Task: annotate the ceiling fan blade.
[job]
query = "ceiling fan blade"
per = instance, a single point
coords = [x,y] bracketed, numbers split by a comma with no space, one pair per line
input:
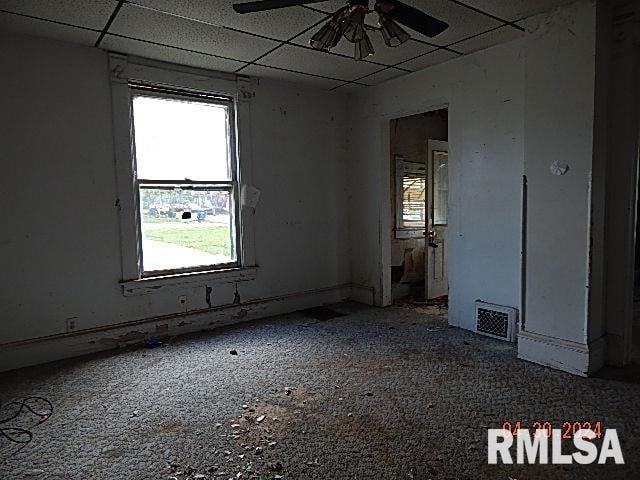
[262,5]
[411,17]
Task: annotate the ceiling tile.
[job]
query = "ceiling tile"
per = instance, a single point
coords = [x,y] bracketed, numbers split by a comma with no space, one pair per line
[167,54]
[282,24]
[83,13]
[516,9]
[266,72]
[437,56]
[350,88]
[462,21]
[486,40]
[144,24]
[383,54]
[383,76]
[41,28]
[319,63]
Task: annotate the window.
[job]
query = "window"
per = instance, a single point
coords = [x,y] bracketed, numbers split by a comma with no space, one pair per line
[410,198]
[413,198]
[440,187]
[185,180]
[185,198]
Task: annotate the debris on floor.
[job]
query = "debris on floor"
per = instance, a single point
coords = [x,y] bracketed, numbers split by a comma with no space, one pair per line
[435,307]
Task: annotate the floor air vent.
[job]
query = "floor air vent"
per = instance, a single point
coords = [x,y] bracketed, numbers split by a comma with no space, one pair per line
[496,321]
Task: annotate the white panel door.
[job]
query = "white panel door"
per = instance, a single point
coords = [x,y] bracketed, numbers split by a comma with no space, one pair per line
[437,207]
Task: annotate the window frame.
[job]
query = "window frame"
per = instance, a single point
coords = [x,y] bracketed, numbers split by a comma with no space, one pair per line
[126,73]
[402,166]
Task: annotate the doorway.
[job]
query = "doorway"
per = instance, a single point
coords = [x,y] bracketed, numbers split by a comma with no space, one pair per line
[419,197]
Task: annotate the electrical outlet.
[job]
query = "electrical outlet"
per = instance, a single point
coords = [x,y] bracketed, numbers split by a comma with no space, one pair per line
[71,324]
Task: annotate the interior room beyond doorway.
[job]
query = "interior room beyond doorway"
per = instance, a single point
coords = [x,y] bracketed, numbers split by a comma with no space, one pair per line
[419,202]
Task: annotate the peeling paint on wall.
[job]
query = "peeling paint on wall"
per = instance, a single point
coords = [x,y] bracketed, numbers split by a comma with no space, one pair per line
[124,339]
[162,330]
[208,291]
[236,296]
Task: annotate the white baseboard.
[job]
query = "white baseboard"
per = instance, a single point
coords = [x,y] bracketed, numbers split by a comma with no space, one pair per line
[55,347]
[577,358]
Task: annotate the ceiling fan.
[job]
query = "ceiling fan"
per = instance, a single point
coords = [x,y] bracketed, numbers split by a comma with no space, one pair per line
[348,22]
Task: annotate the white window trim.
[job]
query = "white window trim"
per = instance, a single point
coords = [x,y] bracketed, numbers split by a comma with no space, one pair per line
[124,69]
[401,165]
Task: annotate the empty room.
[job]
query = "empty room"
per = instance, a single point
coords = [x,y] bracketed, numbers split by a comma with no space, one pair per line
[301,239]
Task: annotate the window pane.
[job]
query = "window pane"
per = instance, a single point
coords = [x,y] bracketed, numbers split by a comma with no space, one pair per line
[413,200]
[180,139]
[186,228]
[440,187]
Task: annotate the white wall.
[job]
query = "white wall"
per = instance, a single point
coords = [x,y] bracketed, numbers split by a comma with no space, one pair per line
[60,242]
[484,94]
[564,253]
[559,126]
[514,109]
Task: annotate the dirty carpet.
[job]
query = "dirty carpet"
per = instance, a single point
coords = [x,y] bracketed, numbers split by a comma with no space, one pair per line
[374,394]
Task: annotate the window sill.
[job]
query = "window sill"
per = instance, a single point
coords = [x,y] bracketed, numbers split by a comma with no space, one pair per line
[144,286]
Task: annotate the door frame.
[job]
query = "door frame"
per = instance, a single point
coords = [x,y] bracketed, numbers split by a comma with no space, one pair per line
[623,195]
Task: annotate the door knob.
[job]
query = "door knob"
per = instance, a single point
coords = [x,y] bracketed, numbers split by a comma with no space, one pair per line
[432,237]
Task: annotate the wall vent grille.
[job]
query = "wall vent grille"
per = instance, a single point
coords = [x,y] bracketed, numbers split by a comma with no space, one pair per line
[496,321]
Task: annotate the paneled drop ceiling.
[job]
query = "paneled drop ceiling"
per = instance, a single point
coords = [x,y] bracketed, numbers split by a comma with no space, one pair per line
[209,34]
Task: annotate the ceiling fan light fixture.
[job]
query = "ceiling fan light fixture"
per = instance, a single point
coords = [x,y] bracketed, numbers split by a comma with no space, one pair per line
[349,22]
[363,48]
[353,24]
[327,37]
[392,33]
